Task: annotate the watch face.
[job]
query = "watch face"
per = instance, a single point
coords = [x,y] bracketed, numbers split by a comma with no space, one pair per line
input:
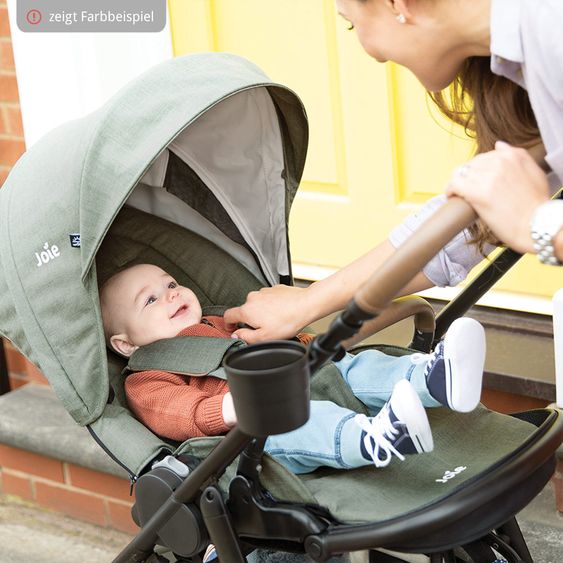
[548,218]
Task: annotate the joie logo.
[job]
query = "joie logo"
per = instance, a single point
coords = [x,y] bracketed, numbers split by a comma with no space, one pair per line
[451,474]
[47,254]
[74,240]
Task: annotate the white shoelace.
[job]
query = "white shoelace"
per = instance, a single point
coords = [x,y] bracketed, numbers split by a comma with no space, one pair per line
[430,359]
[381,430]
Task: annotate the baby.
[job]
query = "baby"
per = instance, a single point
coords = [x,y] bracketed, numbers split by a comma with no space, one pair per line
[143,304]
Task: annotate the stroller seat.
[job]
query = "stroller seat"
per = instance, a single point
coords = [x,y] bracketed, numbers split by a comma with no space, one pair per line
[193,167]
[477,468]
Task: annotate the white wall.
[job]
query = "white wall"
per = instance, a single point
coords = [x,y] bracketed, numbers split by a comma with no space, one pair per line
[62,76]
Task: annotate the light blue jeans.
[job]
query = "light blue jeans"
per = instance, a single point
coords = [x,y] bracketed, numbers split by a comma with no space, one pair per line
[331,437]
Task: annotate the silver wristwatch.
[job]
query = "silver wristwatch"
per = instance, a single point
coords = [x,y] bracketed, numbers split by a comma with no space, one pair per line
[547,221]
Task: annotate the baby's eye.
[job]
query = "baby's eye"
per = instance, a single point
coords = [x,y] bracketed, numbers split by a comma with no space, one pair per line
[150,300]
[172,285]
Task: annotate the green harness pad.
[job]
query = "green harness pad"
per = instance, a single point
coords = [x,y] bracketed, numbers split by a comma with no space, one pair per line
[465,446]
[195,356]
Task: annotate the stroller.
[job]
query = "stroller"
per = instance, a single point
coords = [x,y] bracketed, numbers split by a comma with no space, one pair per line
[193,167]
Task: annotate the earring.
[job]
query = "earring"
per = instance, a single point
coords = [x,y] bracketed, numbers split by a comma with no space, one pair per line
[401,18]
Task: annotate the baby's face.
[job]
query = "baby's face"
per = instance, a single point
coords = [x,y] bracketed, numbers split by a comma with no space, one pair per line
[147,304]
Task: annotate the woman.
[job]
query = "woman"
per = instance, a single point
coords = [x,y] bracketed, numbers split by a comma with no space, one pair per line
[503,61]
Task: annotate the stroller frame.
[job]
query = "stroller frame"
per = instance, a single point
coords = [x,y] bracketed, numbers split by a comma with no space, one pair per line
[250,518]
[207,140]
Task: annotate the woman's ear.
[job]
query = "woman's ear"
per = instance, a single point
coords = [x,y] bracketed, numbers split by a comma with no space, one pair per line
[122,345]
[400,7]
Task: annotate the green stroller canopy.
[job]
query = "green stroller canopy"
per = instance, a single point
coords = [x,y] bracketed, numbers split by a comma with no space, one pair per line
[211,121]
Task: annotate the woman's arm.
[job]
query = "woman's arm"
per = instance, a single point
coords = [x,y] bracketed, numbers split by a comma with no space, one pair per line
[282,311]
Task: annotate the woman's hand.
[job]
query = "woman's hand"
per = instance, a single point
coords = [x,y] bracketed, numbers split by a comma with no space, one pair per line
[273,312]
[504,187]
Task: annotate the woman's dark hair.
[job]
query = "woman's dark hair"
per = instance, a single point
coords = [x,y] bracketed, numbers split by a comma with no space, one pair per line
[490,108]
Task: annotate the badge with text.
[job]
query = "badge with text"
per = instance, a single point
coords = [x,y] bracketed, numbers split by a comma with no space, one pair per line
[91,16]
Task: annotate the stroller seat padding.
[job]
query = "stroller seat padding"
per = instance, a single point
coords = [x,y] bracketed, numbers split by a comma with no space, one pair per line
[136,237]
[465,446]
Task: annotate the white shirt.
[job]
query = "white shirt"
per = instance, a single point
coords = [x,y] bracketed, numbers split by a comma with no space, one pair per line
[452,264]
[527,48]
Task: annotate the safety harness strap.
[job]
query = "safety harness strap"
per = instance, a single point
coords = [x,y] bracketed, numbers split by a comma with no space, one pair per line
[195,356]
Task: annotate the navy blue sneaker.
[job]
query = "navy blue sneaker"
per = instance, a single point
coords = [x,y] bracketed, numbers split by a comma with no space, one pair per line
[401,428]
[454,371]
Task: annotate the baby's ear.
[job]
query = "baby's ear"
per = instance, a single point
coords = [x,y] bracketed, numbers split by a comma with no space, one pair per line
[122,345]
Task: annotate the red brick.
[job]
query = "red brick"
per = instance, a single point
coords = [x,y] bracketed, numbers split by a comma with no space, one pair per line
[7,56]
[17,486]
[504,402]
[4,23]
[119,517]
[100,483]
[16,361]
[9,88]
[34,374]
[71,502]
[14,120]
[48,468]
[10,151]
[4,120]
[4,171]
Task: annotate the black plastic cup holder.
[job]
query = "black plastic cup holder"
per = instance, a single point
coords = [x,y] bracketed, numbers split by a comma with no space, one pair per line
[270,387]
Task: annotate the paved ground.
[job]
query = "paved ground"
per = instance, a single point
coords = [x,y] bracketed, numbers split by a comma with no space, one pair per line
[542,527]
[32,535]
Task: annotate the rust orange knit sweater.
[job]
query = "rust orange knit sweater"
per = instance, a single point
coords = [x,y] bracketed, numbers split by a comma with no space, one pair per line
[179,406]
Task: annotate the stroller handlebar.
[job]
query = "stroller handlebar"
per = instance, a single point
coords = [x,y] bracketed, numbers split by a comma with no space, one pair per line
[414,254]
[378,291]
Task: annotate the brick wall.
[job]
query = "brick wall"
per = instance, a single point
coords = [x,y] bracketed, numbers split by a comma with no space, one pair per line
[78,492]
[20,370]
[12,146]
[67,488]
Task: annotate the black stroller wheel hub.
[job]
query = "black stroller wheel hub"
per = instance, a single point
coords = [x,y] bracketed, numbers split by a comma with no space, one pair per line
[185,532]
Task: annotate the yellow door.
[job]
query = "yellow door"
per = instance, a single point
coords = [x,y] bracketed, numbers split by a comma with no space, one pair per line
[377,149]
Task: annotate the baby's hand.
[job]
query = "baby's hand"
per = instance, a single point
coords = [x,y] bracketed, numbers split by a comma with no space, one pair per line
[228,410]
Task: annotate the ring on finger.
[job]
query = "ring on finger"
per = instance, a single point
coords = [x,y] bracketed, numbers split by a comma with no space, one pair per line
[462,171]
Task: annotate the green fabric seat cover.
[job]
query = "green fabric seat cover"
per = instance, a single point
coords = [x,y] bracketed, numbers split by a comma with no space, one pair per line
[466,445]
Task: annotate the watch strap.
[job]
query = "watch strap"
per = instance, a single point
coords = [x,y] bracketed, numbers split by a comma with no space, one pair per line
[546,223]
